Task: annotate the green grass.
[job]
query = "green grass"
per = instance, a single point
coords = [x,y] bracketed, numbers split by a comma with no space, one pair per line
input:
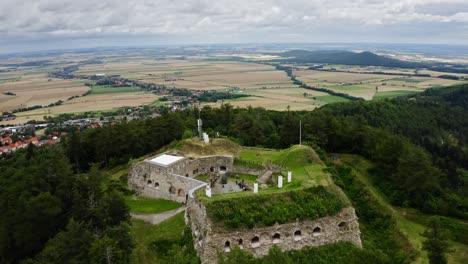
[307,171]
[266,209]
[203,177]
[105,89]
[306,166]
[392,94]
[149,206]
[248,178]
[331,99]
[144,234]
[410,222]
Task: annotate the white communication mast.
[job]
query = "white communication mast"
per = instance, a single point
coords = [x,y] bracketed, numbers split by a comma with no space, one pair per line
[199,124]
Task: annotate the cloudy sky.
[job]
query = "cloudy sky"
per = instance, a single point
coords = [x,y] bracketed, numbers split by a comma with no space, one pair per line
[27,25]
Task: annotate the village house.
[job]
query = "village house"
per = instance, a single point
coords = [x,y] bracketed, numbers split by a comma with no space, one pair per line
[7,140]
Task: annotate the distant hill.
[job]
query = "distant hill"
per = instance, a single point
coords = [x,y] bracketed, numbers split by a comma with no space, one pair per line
[365,58]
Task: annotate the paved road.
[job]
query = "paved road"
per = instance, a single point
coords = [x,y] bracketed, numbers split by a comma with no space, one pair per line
[159,217]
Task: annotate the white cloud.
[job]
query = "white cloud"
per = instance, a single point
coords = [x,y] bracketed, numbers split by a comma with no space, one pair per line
[242,20]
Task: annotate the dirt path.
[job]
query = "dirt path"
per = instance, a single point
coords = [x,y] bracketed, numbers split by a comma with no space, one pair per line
[159,217]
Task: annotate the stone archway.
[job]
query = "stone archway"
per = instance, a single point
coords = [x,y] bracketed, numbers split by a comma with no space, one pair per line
[276,239]
[297,235]
[317,231]
[343,226]
[255,242]
[181,193]
[227,246]
[172,190]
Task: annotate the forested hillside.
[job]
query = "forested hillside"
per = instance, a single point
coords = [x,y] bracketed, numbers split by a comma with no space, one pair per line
[365,58]
[50,197]
[346,57]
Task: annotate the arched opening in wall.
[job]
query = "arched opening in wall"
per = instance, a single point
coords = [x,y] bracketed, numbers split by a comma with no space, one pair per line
[255,243]
[172,190]
[186,175]
[222,168]
[297,235]
[343,226]
[156,185]
[317,231]
[241,243]
[180,193]
[227,246]
[276,238]
[211,169]
[149,183]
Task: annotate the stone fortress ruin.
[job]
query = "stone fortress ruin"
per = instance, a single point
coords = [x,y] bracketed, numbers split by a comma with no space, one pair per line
[193,177]
[171,175]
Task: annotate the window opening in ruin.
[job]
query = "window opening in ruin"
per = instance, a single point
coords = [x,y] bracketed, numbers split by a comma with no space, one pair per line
[186,175]
[156,185]
[227,246]
[343,226]
[222,168]
[255,242]
[297,235]
[181,193]
[316,231]
[149,183]
[276,238]
[212,169]
[172,190]
[241,243]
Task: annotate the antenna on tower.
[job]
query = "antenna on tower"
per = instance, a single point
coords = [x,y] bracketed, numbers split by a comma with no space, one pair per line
[199,124]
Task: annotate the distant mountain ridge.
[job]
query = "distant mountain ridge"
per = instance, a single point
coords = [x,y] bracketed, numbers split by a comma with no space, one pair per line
[365,58]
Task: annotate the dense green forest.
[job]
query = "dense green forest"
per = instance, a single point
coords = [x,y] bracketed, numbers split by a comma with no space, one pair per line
[51,215]
[54,196]
[345,57]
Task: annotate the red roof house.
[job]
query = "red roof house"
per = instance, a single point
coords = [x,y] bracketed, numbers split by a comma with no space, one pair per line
[7,140]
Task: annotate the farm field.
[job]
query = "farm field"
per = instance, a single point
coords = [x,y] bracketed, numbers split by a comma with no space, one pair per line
[268,87]
[368,86]
[38,90]
[280,98]
[194,74]
[355,68]
[93,102]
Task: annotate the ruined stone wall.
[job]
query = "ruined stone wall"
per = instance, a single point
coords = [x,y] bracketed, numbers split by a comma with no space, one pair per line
[156,181]
[209,239]
[153,181]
